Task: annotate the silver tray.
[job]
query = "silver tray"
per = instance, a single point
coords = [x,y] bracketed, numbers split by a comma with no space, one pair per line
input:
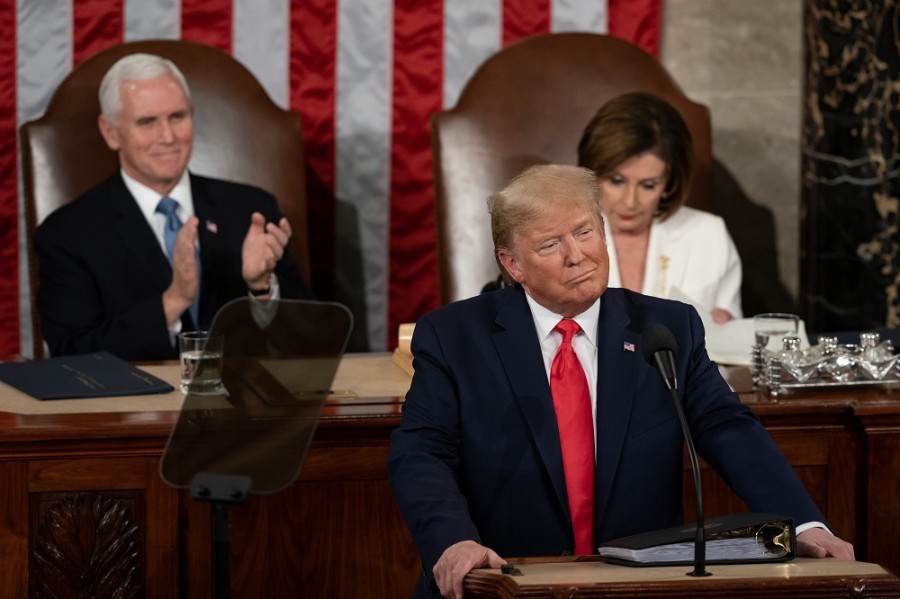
[788,388]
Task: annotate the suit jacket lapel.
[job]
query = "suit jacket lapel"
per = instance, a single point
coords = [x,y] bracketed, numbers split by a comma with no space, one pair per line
[618,355]
[518,348]
[136,235]
[205,209]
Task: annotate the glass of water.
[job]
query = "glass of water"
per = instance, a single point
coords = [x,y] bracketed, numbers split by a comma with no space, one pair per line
[771,328]
[201,362]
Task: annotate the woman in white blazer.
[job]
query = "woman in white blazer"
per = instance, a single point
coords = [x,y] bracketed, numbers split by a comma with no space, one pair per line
[641,149]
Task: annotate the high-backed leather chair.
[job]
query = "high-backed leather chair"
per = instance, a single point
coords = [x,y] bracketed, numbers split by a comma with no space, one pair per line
[239,135]
[529,104]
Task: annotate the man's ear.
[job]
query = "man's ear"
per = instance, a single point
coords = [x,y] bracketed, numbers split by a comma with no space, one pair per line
[509,262]
[110,134]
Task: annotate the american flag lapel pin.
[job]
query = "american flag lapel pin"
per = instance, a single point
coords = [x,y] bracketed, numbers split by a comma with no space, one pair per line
[211,226]
[628,346]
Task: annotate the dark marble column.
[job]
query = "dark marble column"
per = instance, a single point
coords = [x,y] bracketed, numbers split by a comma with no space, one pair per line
[850,250]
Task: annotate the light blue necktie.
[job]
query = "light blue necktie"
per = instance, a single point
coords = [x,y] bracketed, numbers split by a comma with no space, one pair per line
[169,208]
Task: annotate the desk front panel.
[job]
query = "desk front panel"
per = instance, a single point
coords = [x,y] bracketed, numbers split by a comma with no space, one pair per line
[83,508]
[336,532]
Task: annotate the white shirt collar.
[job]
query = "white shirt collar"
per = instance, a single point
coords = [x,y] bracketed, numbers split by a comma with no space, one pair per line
[147,199]
[545,320]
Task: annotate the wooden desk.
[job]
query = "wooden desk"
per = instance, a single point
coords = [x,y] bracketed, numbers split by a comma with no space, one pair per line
[798,578]
[69,467]
[92,466]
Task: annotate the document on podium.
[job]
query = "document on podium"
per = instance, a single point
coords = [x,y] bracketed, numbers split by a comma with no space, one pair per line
[739,538]
[99,374]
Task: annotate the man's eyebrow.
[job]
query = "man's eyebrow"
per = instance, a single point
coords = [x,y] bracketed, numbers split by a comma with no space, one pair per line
[585,223]
[544,238]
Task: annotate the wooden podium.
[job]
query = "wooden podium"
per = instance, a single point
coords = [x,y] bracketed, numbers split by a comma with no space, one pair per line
[588,577]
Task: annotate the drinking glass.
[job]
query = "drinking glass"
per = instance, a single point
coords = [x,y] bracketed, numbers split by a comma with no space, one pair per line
[201,362]
[771,328]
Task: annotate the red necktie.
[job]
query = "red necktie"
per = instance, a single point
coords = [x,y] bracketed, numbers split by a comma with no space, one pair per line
[572,401]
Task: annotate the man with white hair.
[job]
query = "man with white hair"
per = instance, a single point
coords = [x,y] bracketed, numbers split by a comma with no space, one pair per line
[154,249]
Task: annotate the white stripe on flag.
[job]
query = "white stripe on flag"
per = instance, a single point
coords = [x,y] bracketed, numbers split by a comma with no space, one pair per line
[43,59]
[363,142]
[151,19]
[579,15]
[472,33]
[44,54]
[260,42]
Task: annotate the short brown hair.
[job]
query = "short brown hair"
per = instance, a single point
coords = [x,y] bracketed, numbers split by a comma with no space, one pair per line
[632,124]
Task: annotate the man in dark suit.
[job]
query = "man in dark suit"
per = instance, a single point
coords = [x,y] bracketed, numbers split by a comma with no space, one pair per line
[116,272]
[479,464]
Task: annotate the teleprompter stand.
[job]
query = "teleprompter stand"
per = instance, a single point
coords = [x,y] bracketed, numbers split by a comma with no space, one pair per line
[221,490]
[252,435]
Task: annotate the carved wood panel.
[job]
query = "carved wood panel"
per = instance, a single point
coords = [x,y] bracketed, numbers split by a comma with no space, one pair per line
[87,544]
[89,527]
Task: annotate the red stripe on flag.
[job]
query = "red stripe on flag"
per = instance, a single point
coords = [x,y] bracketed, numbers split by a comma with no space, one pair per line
[524,18]
[417,94]
[636,21]
[207,22]
[313,59]
[96,25]
[9,219]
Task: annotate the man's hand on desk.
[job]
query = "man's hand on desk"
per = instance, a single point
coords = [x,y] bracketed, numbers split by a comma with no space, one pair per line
[818,542]
[457,561]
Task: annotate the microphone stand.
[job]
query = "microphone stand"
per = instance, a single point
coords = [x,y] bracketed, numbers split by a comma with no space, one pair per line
[700,535]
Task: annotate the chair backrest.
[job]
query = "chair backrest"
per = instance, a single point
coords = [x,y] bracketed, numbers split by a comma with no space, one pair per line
[529,104]
[239,135]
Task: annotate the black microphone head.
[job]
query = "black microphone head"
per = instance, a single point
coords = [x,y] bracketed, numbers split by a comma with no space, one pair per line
[657,337]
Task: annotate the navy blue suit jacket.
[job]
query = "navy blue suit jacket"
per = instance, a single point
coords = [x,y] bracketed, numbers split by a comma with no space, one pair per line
[477,455]
[102,271]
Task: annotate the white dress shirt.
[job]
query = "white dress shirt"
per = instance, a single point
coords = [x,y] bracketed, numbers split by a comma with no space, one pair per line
[148,199]
[584,344]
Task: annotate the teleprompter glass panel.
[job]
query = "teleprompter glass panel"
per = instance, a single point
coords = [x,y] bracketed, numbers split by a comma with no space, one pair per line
[279,361]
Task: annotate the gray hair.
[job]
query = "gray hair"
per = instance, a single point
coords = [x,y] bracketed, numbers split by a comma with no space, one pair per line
[134,67]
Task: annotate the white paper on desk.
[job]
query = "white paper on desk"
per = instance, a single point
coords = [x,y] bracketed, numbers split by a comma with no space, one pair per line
[730,342]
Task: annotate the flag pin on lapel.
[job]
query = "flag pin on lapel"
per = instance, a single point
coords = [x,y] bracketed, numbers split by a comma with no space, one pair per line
[628,346]
[211,226]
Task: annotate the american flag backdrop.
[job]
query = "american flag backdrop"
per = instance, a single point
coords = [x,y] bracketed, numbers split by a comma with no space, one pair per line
[364,75]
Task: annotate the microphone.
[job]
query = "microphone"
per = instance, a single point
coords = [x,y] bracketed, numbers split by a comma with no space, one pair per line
[659,348]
